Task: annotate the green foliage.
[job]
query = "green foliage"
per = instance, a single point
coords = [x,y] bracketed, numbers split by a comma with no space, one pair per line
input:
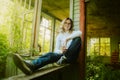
[4,48]
[2,66]
[99,46]
[13,25]
[12,31]
[99,71]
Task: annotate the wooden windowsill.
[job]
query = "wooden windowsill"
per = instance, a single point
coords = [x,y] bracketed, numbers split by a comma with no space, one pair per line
[41,72]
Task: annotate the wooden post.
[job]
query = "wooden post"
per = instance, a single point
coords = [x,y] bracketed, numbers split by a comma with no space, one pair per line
[36,24]
[82,28]
[53,35]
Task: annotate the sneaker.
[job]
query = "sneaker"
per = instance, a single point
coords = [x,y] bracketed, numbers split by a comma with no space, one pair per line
[62,60]
[30,65]
[19,62]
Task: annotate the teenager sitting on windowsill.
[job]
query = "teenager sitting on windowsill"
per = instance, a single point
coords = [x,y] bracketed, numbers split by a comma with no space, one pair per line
[68,43]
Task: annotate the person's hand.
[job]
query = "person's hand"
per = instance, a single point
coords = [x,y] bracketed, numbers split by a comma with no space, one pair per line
[64,49]
[62,60]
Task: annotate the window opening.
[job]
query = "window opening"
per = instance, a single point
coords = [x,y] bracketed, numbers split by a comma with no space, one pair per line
[44,34]
[98,47]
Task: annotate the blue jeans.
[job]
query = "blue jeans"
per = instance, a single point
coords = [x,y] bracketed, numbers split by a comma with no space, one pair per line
[71,54]
[73,51]
[49,57]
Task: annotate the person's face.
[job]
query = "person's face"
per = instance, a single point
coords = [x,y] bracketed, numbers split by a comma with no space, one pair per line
[67,25]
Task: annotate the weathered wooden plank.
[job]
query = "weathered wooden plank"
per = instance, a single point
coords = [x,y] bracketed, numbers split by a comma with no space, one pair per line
[43,71]
[76,8]
[77,4]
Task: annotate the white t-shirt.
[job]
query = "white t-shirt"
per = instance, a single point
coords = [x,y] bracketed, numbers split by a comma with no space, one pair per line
[61,38]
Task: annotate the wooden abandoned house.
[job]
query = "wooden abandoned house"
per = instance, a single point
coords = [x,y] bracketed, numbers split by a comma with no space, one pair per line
[99,21]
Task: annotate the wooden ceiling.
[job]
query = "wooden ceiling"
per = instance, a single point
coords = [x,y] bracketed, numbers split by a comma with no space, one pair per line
[56,8]
[103,17]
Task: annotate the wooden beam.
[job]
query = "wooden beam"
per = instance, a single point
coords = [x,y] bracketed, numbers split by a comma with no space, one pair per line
[40,73]
[82,28]
[36,24]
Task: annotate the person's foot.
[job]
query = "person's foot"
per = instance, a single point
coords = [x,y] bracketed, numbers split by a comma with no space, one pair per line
[19,62]
[62,60]
[30,65]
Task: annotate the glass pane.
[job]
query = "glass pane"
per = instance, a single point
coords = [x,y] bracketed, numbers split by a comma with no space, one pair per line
[57,27]
[98,46]
[44,35]
[105,46]
[94,46]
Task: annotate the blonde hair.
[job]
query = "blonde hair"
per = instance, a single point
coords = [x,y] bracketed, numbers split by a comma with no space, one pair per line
[62,25]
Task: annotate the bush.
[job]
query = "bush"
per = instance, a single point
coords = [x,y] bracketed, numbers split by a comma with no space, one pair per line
[96,70]
[4,49]
[2,66]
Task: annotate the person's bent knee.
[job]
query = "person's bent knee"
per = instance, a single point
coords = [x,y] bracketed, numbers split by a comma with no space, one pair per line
[77,39]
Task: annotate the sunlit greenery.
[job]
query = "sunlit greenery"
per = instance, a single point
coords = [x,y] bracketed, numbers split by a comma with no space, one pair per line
[99,46]
[4,47]
[15,30]
[6,12]
[15,24]
[96,70]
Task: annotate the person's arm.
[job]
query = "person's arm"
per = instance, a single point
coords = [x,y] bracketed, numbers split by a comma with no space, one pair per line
[58,45]
[74,35]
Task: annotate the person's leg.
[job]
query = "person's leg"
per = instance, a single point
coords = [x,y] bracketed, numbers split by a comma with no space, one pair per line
[19,62]
[29,68]
[73,51]
[46,59]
